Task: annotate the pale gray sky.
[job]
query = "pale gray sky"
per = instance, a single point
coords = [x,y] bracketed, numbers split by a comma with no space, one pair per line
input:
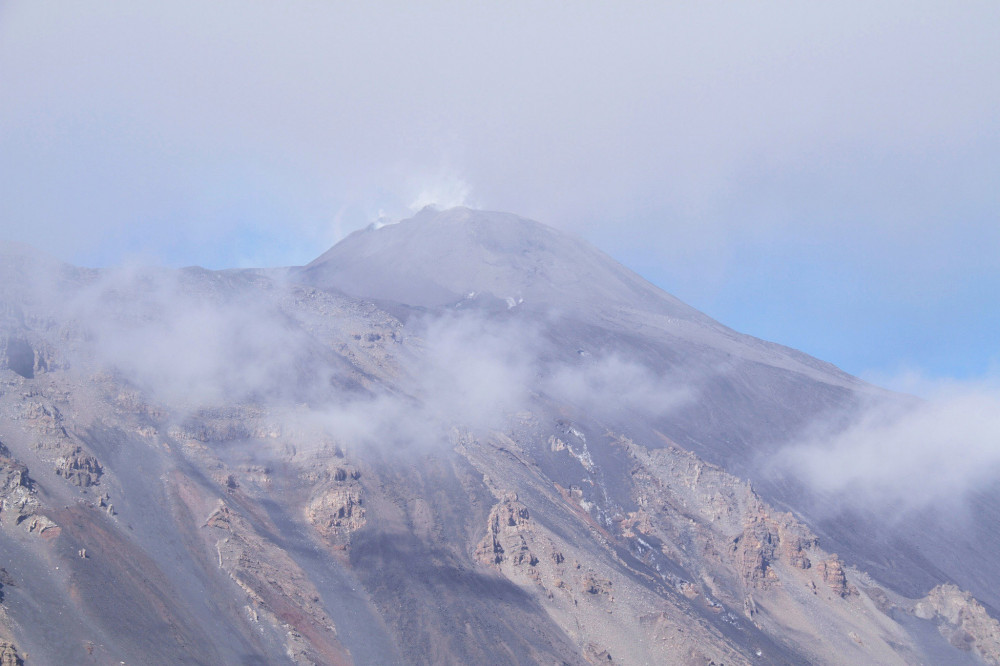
[821,174]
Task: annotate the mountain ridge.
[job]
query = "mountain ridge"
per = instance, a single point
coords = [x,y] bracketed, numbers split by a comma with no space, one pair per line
[519,262]
[502,253]
[278,471]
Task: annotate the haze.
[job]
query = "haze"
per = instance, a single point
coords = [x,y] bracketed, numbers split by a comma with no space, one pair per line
[823,175]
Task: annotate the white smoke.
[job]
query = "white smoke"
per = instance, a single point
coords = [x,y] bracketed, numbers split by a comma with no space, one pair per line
[443,191]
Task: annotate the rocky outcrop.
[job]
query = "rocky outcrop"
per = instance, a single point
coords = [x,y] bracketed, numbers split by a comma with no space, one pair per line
[705,516]
[336,508]
[9,655]
[962,620]
[104,502]
[17,493]
[582,581]
[769,537]
[832,572]
[42,417]
[795,541]
[753,551]
[522,550]
[337,511]
[24,358]
[39,524]
[79,468]
[502,527]
[54,442]
[277,590]
[717,543]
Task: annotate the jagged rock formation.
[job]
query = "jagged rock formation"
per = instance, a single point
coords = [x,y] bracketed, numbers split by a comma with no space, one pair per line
[277,590]
[504,521]
[832,572]
[79,468]
[612,616]
[962,620]
[19,504]
[16,498]
[9,655]
[336,508]
[420,449]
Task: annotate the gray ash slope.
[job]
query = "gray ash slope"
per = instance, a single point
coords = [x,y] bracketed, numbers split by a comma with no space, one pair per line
[753,396]
[466,437]
[458,259]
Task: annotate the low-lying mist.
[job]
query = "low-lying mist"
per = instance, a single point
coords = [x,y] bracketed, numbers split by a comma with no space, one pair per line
[192,340]
[195,342]
[907,456]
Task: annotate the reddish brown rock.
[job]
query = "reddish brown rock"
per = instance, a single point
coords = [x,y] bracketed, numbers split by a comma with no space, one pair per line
[502,525]
[832,572]
[753,552]
[336,508]
[962,620]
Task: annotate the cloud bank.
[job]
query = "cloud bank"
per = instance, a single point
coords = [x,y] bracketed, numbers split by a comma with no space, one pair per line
[196,342]
[904,458]
[193,341]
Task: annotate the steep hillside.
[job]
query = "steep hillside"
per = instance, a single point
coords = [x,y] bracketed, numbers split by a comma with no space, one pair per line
[464,438]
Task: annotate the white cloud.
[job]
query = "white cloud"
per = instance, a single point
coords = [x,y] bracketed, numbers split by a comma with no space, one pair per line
[907,456]
[611,386]
[193,340]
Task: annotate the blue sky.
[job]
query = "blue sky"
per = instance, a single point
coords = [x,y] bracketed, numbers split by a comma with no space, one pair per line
[824,175]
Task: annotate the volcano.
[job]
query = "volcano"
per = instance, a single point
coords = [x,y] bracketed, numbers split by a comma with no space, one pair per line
[465,437]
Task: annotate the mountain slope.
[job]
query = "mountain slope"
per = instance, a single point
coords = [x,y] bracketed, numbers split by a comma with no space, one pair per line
[463,258]
[439,257]
[752,396]
[360,462]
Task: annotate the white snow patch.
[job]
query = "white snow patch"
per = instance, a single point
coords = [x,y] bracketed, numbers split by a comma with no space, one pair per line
[513,302]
